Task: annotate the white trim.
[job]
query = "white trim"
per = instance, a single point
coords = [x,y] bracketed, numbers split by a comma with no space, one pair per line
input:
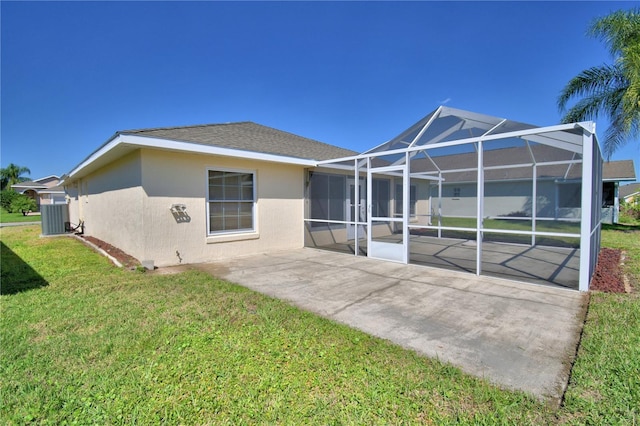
[50,192]
[584,271]
[535,132]
[46,177]
[191,147]
[479,208]
[427,124]
[111,144]
[219,236]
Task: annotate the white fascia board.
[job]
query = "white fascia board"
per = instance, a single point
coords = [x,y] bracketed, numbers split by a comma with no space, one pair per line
[51,192]
[155,143]
[342,159]
[146,142]
[17,186]
[46,177]
[111,144]
[627,179]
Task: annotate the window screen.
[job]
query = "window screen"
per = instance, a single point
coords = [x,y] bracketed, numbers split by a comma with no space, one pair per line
[231,201]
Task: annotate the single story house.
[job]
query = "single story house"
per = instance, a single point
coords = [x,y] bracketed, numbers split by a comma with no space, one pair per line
[508,193]
[44,191]
[197,193]
[613,173]
[201,193]
[630,193]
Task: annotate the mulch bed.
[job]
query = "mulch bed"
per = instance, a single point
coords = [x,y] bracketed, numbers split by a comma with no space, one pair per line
[609,276]
[122,257]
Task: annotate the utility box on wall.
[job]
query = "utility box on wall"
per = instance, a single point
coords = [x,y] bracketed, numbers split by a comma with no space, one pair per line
[53,218]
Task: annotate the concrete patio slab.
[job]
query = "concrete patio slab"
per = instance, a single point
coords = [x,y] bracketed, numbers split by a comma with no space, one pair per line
[516,335]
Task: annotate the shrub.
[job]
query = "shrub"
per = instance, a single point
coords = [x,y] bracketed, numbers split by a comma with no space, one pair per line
[22,204]
[629,213]
[6,197]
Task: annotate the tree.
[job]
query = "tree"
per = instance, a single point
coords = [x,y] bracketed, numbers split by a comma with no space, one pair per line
[6,197]
[12,174]
[22,203]
[612,89]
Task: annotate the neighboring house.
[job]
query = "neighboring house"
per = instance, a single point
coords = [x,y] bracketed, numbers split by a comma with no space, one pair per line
[630,193]
[508,193]
[178,194]
[614,172]
[46,190]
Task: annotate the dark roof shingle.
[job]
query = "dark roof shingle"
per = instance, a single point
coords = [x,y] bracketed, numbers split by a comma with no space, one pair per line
[618,170]
[626,190]
[247,136]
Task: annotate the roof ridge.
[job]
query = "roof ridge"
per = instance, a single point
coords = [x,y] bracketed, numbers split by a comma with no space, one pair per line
[193,126]
[190,126]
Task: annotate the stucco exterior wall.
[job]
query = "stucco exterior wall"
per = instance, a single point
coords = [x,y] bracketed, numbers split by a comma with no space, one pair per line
[175,178]
[423,203]
[128,204]
[464,205]
[110,203]
[501,199]
[72,199]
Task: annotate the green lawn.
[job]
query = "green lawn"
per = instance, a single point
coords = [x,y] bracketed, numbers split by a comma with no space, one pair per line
[514,224]
[605,383]
[6,217]
[84,342]
[510,225]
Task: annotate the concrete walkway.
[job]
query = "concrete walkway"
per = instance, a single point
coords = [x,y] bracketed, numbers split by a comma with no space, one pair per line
[7,224]
[516,335]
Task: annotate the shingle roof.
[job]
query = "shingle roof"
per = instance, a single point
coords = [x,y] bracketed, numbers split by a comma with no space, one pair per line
[626,190]
[28,184]
[247,136]
[57,188]
[618,170]
[500,157]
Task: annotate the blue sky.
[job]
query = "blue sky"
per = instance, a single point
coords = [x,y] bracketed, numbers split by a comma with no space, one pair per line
[351,74]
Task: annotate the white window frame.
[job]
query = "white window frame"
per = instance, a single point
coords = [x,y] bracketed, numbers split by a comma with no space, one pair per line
[208,202]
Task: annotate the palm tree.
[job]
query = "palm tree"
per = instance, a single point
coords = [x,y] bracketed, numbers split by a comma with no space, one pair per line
[12,174]
[610,89]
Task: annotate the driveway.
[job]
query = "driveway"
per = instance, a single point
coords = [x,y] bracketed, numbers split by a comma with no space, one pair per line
[516,335]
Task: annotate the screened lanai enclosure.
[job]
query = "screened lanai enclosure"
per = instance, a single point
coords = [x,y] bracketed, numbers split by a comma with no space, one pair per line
[467,192]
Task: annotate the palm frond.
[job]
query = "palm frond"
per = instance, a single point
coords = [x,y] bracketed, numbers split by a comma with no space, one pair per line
[617,30]
[589,107]
[592,81]
[620,132]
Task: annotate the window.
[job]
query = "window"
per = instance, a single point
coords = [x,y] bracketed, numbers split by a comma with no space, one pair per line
[456,192]
[380,197]
[327,194]
[231,199]
[412,199]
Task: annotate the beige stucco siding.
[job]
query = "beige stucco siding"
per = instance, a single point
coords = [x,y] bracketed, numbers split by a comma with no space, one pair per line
[509,198]
[109,201]
[176,178]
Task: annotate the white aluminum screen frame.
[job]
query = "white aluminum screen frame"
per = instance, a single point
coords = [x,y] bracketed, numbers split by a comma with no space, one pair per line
[577,138]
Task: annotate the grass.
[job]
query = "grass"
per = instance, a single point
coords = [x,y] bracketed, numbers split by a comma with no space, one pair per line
[514,224]
[6,217]
[605,383]
[511,225]
[85,342]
